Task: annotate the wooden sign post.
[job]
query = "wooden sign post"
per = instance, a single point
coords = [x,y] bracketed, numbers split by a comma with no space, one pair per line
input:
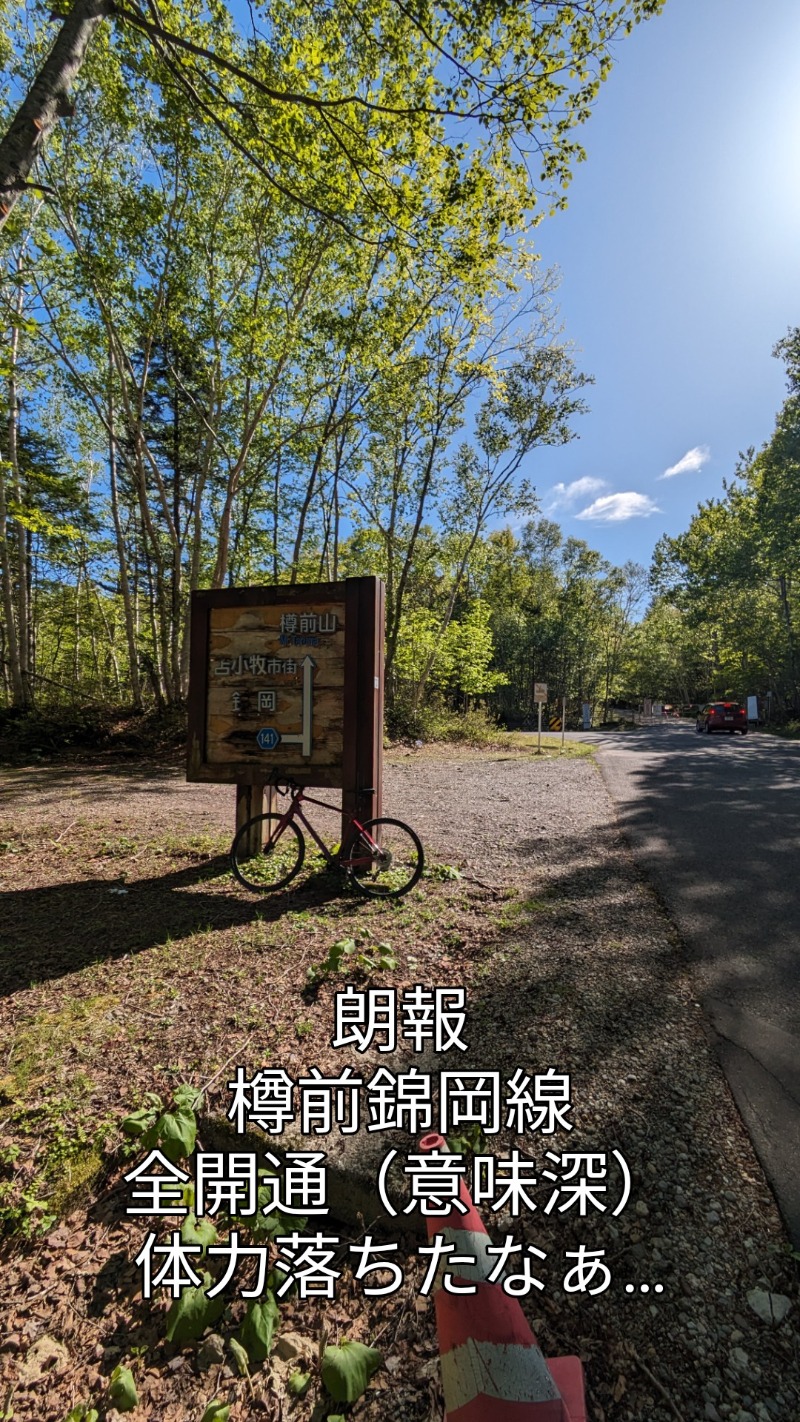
[286,682]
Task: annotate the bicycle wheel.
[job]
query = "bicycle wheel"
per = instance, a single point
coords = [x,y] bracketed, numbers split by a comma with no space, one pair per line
[275,861]
[388,863]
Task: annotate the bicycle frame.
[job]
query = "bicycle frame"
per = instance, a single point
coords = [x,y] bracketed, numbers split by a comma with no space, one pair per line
[295,812]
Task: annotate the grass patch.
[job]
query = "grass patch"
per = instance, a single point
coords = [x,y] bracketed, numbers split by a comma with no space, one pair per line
[55,1038]
[551,745]
[789,732]
[118,997]
[52,1142]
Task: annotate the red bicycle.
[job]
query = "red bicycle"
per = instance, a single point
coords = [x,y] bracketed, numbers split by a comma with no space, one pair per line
[383,858]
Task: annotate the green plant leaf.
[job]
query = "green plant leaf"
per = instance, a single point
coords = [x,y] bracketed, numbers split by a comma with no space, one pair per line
[240,1357]
[194,1231]
[191,1314]
[122,1389]
[216,1412]
[258,1327]
[176,1133]
[82,1413]
[188,1098]
[298,1384]
[139,1122]
[346,1370]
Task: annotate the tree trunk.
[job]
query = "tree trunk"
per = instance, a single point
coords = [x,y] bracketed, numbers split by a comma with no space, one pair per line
[122,559]
[786,612]
[16,609]
[47,100]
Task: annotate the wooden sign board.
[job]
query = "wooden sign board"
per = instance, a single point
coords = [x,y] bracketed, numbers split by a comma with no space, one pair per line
[287,681]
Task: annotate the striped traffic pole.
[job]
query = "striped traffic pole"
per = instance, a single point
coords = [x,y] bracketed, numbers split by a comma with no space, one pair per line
[493,1369]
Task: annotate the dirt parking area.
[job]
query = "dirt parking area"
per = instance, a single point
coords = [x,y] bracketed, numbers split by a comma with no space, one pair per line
[131,963]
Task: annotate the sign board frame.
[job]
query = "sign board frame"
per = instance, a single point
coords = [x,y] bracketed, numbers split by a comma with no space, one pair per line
[360,773]
[540,691]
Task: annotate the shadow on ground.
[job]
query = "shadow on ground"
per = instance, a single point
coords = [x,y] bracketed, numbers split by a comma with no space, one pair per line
[51,931]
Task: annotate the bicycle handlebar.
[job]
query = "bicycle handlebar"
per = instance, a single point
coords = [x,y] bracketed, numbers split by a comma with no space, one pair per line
[283,786]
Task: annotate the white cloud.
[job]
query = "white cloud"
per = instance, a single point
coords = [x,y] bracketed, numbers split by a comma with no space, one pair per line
[565,496]
[615,508]
[691,462]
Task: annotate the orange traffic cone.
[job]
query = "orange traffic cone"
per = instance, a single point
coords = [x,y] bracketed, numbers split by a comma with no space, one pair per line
[493,1369]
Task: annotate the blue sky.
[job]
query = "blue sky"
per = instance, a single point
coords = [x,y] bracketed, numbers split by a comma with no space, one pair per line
[680,263]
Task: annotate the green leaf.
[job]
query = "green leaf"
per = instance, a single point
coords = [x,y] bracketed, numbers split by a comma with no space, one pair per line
[191,1314]
[122,1389]
[194,1231]
[347,1370]
[176,1133]
[216,1412]
[140,1121]
[188,1098]
[258,1327]
[240,1357]
[82,1413]
[298,1384]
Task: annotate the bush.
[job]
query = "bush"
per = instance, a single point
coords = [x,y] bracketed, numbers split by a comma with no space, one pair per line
[80,733]
[437,722]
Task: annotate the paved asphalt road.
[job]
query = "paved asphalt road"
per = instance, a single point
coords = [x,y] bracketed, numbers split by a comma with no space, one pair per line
[715,820]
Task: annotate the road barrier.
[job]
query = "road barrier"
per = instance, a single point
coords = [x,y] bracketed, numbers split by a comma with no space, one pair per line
[493,1369]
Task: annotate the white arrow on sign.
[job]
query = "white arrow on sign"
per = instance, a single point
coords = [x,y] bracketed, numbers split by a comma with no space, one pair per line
[303,738]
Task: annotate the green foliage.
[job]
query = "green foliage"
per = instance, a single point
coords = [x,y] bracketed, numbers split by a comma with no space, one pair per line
[216,1412]
[174,1132]
[732,576]
[270,312]
[122,1390]
[346,1370]
[469,1141]
[25,1211]
[191,1314]
[82,1413]
[434,720]
[141,1122]
[298,1384]
[68,1154]
[240,1358]
[194,1231]
[346,955]
[442,872]
[257,1330]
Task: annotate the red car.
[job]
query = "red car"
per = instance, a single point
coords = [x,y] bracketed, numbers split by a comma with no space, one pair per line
[722,716]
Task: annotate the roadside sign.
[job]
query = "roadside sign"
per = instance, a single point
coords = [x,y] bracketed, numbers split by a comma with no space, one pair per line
[540,691]
[752,708]
[286,682]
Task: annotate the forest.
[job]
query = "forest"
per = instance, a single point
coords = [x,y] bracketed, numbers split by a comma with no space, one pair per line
[258,333]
